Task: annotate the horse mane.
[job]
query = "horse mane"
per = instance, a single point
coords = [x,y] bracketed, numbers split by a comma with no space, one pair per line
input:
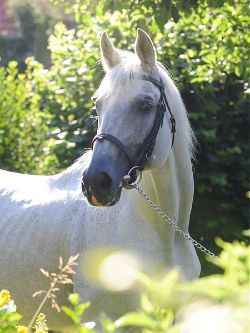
[179,110]
[130,69]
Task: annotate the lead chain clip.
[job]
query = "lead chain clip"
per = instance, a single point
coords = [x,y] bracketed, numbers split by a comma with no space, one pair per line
[127,178]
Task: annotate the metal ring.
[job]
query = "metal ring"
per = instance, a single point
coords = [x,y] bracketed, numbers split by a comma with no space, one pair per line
[138,177]
[133,168]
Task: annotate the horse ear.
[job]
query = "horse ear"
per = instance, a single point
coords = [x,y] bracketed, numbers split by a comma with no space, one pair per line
[145,50]
[110,56]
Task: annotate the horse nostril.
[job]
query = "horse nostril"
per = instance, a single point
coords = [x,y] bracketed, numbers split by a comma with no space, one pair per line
[105,182]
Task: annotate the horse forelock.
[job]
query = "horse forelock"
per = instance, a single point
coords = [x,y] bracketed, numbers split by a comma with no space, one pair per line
[120,76]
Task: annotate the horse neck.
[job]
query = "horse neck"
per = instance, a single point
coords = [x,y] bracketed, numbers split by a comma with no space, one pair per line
[70,178]
[171,187]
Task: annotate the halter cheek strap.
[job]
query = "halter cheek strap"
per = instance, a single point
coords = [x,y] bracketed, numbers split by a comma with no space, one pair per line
[143,153]
[163,102]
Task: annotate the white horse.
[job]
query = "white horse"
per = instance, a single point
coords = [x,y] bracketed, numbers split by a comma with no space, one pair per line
[44,217]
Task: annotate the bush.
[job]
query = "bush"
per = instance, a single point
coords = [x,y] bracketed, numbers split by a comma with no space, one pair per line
[24,141]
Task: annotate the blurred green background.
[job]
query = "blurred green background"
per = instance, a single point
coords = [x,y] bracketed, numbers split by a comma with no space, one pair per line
[50,68]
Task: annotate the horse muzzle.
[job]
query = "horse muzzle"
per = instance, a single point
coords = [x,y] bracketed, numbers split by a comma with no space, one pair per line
[100,188]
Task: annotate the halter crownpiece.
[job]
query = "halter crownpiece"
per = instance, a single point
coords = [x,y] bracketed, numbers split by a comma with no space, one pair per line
[139,159]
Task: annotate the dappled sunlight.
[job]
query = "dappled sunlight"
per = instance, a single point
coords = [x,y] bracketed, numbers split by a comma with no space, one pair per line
[217,318]
[113,270]
[118,271]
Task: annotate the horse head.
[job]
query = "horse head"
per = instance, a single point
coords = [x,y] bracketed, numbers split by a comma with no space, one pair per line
[133,133]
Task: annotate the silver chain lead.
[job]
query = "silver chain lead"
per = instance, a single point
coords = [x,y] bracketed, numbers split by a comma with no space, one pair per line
[166,218]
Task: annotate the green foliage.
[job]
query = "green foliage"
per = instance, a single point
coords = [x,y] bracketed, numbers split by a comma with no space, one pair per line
[23,124]
[214,84]
[76,313]
[9,321]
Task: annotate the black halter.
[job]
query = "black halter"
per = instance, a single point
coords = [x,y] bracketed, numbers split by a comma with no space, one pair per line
[143,153]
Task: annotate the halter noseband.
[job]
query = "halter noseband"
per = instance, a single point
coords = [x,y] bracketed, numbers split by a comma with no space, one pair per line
[143,153]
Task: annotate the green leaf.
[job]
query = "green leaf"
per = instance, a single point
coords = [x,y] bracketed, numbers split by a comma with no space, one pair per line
[81,308]
[146,304]
[74,298]
[135,319]
[71,314]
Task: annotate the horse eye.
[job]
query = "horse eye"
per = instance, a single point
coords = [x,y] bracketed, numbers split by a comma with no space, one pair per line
[94,115]
[146,107]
